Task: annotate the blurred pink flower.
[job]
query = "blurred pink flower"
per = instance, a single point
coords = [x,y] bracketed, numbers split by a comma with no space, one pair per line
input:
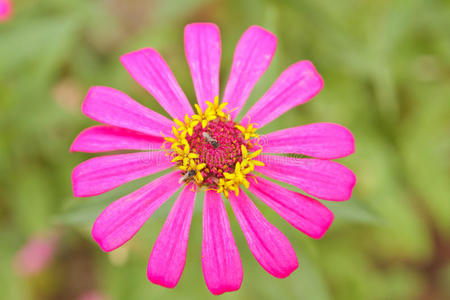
[209,150]
[5,10]
[36,254]
[93,295]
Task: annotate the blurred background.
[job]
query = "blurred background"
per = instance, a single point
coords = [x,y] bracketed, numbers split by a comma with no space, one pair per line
[386,66]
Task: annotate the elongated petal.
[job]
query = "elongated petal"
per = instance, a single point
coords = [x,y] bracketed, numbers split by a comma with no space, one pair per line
[252,57]
[101,174]
[150,70]
[112,107]
[270,247]
[304,213]
[324,179]
[168,256]
[296,85]
[221,262]
[123,218]
[321,140]
[203,50]
[107,138]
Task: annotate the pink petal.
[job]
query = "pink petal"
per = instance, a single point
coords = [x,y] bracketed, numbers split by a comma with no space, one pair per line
[150,70]
[324,179]
[107,138]
[120,221]
[304,213]
[112,107]
[252,57]
[168,256]
[5,10]
[203,50]
[295,86]
[270,247]
[221,262]
[321,140]
[101,174]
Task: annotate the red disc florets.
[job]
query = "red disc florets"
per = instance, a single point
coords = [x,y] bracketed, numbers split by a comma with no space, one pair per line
[219,147]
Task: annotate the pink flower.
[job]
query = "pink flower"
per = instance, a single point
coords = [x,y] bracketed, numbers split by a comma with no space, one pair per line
[5,10]
[93,295]
[208,150]
[36,254]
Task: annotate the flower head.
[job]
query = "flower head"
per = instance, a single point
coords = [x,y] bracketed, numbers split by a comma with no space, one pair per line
[36,254]
[5,10]
[210,151]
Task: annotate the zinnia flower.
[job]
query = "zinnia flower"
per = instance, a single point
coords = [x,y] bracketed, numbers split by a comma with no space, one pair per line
[209,150]
[5,10]
[36,254]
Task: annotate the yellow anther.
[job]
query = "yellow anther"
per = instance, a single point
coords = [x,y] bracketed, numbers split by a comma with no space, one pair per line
[248,170]
[198,109]
[186,149]
[229,175]
[248,132]
[179,123]
[177,134]
[240,127]
[237,167]
[217,108]
[258,163]
[199,177]
[177,158]
[244,163]
[254,154]
[178,151]
[193,155]
[222,188]
[244,151]
[246,183]
[204,117]
[170,139]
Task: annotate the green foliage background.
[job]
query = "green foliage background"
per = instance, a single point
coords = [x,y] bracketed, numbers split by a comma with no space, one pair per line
[386,66]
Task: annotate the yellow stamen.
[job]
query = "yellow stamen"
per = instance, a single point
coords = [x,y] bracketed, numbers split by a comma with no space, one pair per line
[248,132]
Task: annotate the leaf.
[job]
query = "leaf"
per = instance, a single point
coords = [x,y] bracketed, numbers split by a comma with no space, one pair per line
[353,211]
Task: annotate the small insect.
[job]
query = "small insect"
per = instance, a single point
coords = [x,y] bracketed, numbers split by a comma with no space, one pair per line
[211,140]
[188,176]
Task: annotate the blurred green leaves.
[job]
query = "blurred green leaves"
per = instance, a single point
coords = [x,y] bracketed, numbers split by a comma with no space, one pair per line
[36,46]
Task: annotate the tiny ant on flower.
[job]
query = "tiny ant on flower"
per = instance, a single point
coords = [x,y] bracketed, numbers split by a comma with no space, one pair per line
[188,176]
[211,140]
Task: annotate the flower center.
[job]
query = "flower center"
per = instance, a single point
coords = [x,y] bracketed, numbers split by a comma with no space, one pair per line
[212,150]
[218,145]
